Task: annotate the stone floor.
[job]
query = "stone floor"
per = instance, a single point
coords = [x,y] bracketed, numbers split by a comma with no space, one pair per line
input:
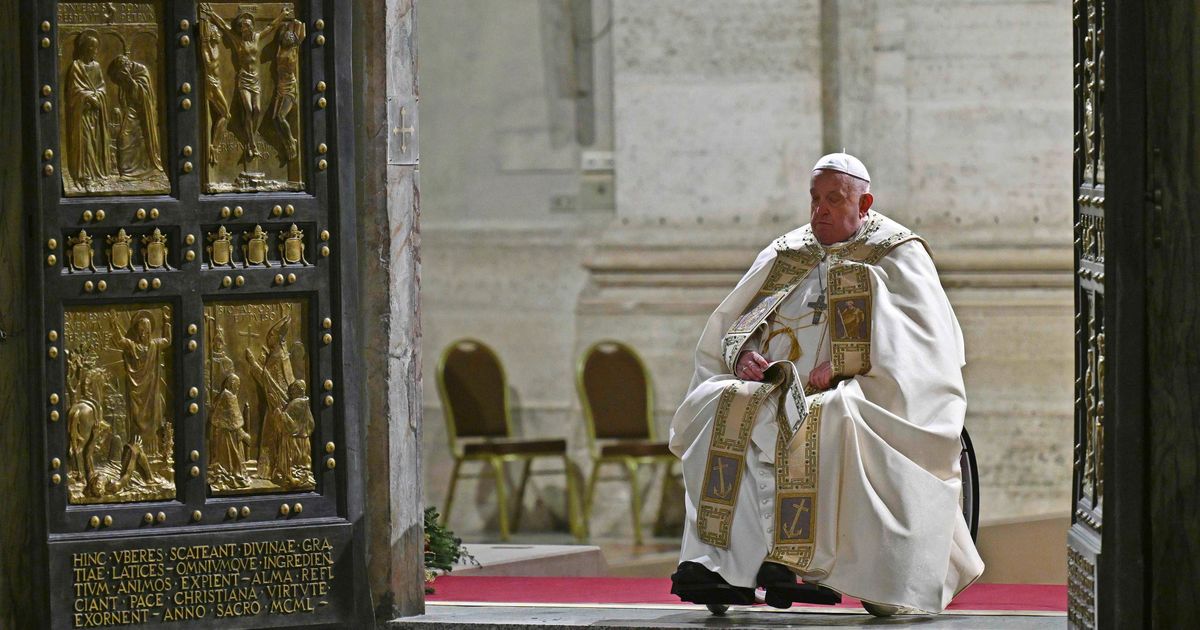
[600,617]
[656,557]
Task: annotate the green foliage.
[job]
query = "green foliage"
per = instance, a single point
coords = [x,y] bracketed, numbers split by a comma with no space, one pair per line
[442,548]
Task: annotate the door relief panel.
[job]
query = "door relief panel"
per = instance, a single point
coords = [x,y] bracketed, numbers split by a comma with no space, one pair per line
[250,69]
[119,403]
[260,421]
[111,69]
[185,202]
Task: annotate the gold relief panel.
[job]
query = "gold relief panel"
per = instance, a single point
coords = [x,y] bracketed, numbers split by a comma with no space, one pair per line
[119,403]
[250,123]
[1091,90]
[112,123]
[260,421]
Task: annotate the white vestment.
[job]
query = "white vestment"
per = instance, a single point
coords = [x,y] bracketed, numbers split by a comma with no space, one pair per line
[887,525]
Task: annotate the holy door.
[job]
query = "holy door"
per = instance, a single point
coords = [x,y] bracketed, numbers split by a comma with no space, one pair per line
[1088,477]
[193,221]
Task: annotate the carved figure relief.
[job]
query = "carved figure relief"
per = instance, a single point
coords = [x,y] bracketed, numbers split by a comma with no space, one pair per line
[227,437]
[240,45]
[120,433]
[1090,404]
[1098,429]
[260,422]
[287,84]
[111,130]
[217,107]
[1093,96]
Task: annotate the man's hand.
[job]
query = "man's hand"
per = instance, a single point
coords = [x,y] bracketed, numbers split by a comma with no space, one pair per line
[750,366]
[822,376]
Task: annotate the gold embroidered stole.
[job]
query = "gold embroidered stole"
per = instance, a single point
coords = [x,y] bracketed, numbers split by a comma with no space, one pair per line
[796,474]
[796,454]
[737,408]
[791,266]
[850,304]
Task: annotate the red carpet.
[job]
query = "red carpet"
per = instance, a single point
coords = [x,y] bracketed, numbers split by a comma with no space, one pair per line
[598,590]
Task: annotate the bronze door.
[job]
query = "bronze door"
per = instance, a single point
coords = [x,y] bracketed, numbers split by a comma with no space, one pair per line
[1084,542]
[193,212]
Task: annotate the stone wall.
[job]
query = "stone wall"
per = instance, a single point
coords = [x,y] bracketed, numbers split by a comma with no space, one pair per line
[961,111]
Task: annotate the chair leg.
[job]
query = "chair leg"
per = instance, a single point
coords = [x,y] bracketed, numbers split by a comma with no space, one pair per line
[450,494]
[516,522]
[591,492]
[501,496]
[635,497]
[662,496]
[574,509]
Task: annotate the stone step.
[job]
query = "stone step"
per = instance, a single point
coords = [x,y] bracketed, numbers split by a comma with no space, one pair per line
[599,617]
[514,559]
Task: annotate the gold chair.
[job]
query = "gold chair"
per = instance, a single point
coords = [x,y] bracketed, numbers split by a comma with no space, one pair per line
[618,405]
[474,394]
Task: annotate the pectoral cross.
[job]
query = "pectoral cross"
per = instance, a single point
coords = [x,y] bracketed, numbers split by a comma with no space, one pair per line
[818,306]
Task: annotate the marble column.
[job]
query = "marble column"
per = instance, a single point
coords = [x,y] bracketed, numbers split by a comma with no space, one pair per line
[389,261]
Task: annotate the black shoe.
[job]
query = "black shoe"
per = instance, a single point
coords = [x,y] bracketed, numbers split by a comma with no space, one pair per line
[694,583]
[783,590]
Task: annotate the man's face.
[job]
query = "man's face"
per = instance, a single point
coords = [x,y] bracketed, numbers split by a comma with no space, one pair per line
[90,46]
[838,206]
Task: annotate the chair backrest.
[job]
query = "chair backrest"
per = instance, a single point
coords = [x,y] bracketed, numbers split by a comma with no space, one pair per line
[474,391]
[616,392]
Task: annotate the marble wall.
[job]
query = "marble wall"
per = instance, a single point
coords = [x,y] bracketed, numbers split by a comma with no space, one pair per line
[718,109]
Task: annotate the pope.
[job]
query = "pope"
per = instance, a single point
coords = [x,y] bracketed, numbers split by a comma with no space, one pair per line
[820,433]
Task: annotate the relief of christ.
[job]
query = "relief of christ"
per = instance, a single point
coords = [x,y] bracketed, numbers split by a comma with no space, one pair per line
[245,42]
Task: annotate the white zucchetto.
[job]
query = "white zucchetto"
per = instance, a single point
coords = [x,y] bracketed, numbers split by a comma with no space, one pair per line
[843,163]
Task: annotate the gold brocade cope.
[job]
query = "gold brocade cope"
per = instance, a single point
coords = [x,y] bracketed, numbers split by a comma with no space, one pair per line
[737,409]
[260,421]
[113,131]
[850,303]
[119,403]
[797,472]
[797,254]
[790,267]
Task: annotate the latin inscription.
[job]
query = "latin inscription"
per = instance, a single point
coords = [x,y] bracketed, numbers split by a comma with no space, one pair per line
[180,583]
